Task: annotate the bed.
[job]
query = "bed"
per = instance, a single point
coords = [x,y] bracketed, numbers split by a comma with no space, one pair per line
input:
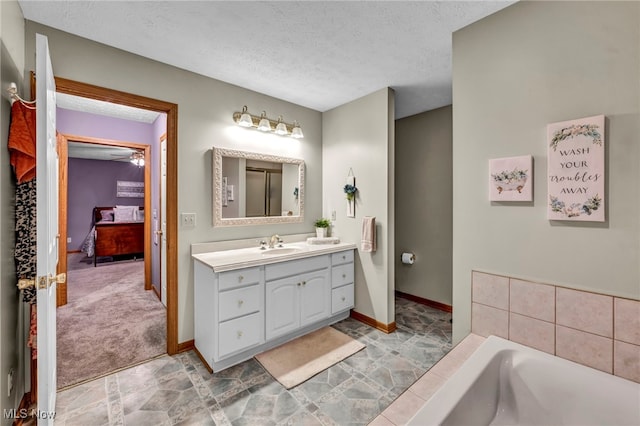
[117,231]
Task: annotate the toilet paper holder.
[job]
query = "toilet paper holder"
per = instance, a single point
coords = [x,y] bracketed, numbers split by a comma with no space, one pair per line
[408,258]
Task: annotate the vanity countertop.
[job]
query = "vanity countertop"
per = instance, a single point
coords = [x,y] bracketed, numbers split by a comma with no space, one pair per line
[227,260]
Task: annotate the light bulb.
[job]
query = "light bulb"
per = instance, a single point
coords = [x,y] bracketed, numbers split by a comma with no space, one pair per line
[245,118]
[281,128]
[296,132]
[264,124]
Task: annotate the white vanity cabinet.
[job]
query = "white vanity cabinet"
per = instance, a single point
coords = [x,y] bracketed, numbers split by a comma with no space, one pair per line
[342,281]
[229,310]
[240,309]
[298,300]
[247,307]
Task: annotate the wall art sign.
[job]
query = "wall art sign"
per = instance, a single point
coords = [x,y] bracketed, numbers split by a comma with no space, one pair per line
[576,170]
[511,179]
[129,189]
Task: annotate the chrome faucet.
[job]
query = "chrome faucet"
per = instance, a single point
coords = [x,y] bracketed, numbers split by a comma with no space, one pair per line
[275,239]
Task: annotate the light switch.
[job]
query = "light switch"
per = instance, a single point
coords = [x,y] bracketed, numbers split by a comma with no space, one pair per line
[188,219]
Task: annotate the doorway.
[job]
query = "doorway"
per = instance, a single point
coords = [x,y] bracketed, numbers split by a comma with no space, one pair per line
[171,110]
[111,320]
[99,192]
[161,233]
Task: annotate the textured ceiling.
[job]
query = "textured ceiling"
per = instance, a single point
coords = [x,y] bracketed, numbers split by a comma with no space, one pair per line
[316,54]
[77,103]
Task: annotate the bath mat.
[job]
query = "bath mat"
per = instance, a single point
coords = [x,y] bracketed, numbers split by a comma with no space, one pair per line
[302,358]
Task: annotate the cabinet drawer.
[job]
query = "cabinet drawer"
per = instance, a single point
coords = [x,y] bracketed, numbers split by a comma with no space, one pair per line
[295,267]
[342,257]
[239,302]
[341,275]
[341,298]
[238,278]
[240,333]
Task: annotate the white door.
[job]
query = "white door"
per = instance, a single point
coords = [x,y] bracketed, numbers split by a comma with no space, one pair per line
[163,221]
[47,230]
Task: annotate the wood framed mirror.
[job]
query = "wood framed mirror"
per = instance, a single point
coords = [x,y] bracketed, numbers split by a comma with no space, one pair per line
[250,188]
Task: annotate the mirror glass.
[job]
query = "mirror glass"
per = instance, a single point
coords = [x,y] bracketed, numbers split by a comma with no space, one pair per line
[251,188]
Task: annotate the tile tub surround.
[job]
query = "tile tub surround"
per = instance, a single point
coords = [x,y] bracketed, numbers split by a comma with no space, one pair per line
[506,383]
[596,330]
[179,390]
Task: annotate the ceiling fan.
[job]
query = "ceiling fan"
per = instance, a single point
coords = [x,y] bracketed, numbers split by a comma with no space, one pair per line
[136,157]
[90,151]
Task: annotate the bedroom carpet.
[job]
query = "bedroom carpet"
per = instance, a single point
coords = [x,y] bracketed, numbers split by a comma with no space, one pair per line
[79,260]
[110,322]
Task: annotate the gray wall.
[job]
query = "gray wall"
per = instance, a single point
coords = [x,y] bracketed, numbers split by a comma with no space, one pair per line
[360,135]
[13,354]
[424,193]
[204,120]
[514,72]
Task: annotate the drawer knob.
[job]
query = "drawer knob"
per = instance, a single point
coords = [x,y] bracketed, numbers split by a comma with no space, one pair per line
[344,257]
[344,275]
[240,302]
[304,283]
[299,284]
[239,334]
[343,298]
[240,278]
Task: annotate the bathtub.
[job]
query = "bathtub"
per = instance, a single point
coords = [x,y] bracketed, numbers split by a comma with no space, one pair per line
[505,383]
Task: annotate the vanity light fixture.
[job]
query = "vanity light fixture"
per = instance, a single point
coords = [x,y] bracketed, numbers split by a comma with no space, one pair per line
[265,124]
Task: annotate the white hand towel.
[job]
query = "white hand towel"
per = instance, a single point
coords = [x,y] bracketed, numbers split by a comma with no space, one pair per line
[368,234]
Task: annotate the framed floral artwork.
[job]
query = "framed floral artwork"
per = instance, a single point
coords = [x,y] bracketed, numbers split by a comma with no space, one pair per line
[576,170]
[511,178]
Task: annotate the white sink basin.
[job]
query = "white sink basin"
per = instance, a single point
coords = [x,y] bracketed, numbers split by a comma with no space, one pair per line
[280,251]
[228,260]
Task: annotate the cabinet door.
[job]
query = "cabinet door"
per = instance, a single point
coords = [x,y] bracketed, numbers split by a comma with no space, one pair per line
[282,306]
[315,297]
